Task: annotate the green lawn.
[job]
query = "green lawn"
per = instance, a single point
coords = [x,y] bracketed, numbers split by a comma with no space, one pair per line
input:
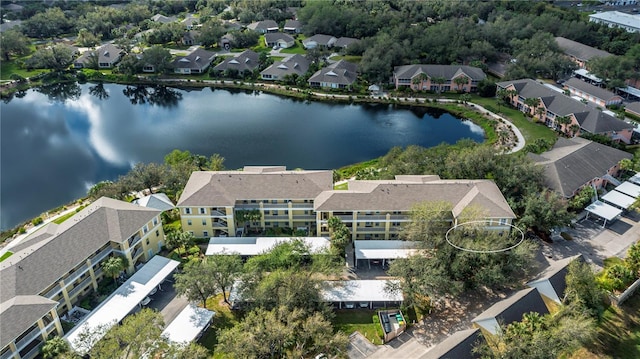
[350,58]
[7,68]
[277,58]
[67,216]
[361,320]
[619,331]
[223,319]
[6,255]
[341,186]
[297,48]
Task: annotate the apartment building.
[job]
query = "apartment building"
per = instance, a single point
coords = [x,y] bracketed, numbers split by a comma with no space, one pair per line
[213,202]
[438,78]
[58,265]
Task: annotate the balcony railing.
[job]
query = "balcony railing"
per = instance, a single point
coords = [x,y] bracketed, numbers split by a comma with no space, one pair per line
[220,224]
[7,355]
[34,333]
[302,205]
[80,286]
[136,253]
[304,217]
[216,213]
[53,292]
[370,229]
[97,271]
[33,352]
[100,256]
[134,240]
[75,275]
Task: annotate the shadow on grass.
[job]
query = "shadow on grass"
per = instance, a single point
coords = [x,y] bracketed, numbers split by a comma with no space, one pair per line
[619,331]
[225,318]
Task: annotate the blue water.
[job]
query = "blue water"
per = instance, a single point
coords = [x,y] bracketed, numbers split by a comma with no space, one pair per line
[57,142]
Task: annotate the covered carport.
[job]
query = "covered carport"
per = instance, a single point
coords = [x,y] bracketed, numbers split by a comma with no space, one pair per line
[383,250]
[120,303]
[253,246]
[188,325]
[630,189]
[369,294]
[618,199]
[635,179]
[605,211]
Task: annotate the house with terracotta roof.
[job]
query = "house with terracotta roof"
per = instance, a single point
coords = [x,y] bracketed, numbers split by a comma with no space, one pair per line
[339,75]
[197,62]
[439,78]
[598,95]
[562,112]
[54,268]
[294,65]
[580,53]
[306,199]
[574,163]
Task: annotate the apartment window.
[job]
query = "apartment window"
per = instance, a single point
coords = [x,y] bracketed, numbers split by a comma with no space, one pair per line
[203,211]
[286,211]
[266,211]
[147,241]
[188,222]
[275,213]
[192,233]
[157,233]
[267,223]
[306,212]
[205,234]
[204,222]
[274,201]
[503,221]
[145,229]
[187,211]
[253,201]
[155,221]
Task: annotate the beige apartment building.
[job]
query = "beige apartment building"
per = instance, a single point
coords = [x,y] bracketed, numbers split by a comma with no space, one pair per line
[58,265]
[213,202]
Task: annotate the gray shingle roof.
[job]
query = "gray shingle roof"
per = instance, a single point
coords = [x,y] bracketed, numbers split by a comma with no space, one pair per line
[263,25]
[292,24]
[296,64]
[633,107]
[198,59]
[244,61]
[275,36]
[458,345]
[19,313]
[341,72]
[590,89]
[580,51]
[556,275]
[573,162]
[346,41]
[320,39]
[513,308]
[402,195]
[159,201]
[224,188]
[75,240]
[107,53]
[433,71]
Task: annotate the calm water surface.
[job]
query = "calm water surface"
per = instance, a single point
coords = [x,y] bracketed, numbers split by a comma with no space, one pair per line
[57,142]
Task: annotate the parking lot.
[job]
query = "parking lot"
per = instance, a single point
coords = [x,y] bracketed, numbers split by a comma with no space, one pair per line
[166,301]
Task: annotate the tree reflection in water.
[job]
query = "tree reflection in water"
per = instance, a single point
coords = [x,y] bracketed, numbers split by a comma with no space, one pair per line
[154,95]
[61,91]
[99,91]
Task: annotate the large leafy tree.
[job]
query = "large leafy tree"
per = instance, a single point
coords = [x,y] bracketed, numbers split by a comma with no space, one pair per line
[158,57]
[225,271]
[54,348]
[583,294]
[196,281]
[57,58]
[49,23]
[13,42]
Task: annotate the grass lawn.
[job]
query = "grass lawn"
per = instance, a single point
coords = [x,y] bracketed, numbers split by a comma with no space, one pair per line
[6,255]
[276,58]
[351,320]
[67,216]
[223,319]
[297,48]
[10,67]
[354,59]
[341,186]
[261,45]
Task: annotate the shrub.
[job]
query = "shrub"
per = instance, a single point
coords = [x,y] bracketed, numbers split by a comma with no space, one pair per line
[37,221]
[22,230]
[616,278]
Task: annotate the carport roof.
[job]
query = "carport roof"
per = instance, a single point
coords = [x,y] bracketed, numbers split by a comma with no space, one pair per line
[629,189]
[188,324]
[252,246]
[603,210]
[636,177]
[384,249]
[121,302]
[359,291]
[619,199]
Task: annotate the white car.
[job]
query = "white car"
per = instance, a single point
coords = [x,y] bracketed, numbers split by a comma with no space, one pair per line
[145,301]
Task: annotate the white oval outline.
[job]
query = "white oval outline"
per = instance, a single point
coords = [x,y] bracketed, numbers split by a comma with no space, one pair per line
[446,237]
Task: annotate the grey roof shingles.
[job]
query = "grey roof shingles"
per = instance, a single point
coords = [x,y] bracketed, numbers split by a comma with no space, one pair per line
[573,162]
[578,50]
[275,36]
[224,188]
[556,274]
[263,25]
[585,87]
[320,39]
[433,71]
[341,72]
[292,24]
[296,64]
[633,107]
[244,61]
[345,41]
[19,313]
[513,308]
[458,345]
[198,59]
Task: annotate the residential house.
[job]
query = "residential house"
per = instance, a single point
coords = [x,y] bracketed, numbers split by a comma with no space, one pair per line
[158,201]
[378,209]
[53,268]
[264,26]
[574,163]
[510,310]
[339,75]
[458,345]
[244,62]
[628,22]
[552,283]
[345,42]
[226,41]
[211,201]
[292,27]
[562,112]
[319,41]
[294,65]
[633,108]
[13,8]
[190,22]
[7,25]
[439,78]
[231,25]
[578,52]
[108,55]
[279,40]
[197,62]
[598,95]
[163,19]
[190,38]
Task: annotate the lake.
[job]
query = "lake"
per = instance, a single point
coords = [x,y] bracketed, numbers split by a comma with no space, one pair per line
[59,140]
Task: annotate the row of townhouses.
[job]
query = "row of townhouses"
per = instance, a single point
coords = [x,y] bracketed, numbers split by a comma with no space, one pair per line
[306,200]
[58,265]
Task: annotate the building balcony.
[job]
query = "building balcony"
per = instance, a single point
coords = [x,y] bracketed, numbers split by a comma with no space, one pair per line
[220,224]
[33,352]
[134,240]
[370,229]
[76,289]
[216,213]
[102,255]
[308,206]
[33,334]
[75,275]
[7,355]
[304,217]
[137,253]
[53,292]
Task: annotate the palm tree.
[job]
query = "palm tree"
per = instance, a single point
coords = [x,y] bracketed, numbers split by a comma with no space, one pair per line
[460,82]
[179,239]
[563,121]
[540,111]
[439,81]
[574,128]
[114,266]
[532,103]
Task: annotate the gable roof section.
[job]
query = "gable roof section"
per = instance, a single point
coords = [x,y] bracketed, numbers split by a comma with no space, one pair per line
[399,195]
[275,36]
[263,25]
[573,162]
[633,107]
[341,72]
[346,41]
[433,71]
[320,39]
[292,25]
[552,281]
[19,313]
[224,188]
[296,64]
[458,345]
[587,88]
[578,50]
[244,61]
[511,310]
[75,239]
[159,201]
[197,59]
[163,19]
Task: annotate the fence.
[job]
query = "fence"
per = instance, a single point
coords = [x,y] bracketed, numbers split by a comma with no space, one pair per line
[618,300]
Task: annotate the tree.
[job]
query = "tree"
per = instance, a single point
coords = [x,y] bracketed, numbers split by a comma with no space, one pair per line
[544,211]
[113,266]
[146,176]
[563,122]
[632,260]
[54,347]
[87,39]
[246,217]
[57,58]
[180,240]
[13,42]
[50,23]
[460,81]
[210,33]
[195,282]
[216,162]
[439,81]
[225,270]
[158,57]
[340,235]
[130,65]
[583,294]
